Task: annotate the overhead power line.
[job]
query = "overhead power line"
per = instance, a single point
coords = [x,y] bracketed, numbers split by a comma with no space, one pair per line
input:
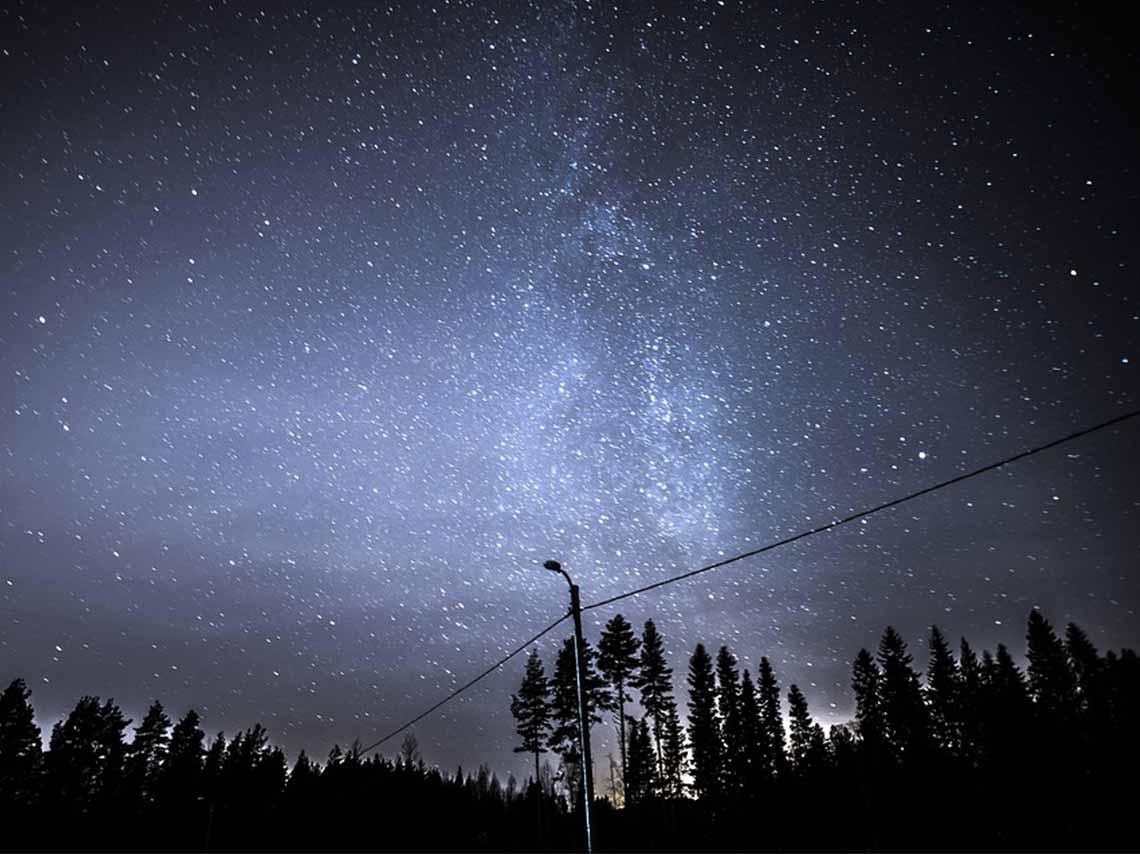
[466,685]
[867,512]
[758,551]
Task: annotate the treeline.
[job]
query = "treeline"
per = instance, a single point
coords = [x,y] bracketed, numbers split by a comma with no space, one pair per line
[171,788]
[973,754]
[977,755]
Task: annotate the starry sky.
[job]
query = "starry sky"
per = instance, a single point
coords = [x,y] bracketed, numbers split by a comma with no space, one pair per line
[321,328]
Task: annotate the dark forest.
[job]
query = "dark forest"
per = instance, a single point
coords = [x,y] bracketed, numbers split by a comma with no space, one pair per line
[972,754]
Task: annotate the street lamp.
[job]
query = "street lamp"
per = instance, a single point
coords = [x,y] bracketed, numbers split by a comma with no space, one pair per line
[583,722]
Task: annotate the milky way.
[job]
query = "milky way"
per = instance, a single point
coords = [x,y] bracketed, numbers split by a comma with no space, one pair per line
[321,330]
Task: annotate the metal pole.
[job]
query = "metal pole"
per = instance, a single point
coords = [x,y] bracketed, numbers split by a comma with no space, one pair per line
[583,722]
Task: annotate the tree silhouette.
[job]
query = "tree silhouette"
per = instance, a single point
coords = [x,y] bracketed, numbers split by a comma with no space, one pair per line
[905,720]
[704,724]
[773,745]
[180,776]
[147,752]
[1085,664]
[1007,683]
[85,757]
[970,688]
[564,737]
[1051,682]
[99,793]
[801,727]
[674,756]
[731,725]
[410,750]
[212,789]
[21,761]
[654,682]
[866,683]
[943,691]
[531,710]
[640,782]
[752,756]
[617,660]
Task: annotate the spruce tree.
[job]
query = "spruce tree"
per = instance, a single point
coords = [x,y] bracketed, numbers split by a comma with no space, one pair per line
[751,750]
[907,726]
[775,757]
[640,781]
[564,736]
[970,702]
[1005,708]
[674,758]
[302,779]
[617,661]
[842,745]
[943,689]
[731,725]
[866,683]
[20,751]
[531,710]
[1051,683]
[1086,665]
[800,726]
[704,725]
[817,755]
[1007,682]
[181,772]
[654,681]
[212,769]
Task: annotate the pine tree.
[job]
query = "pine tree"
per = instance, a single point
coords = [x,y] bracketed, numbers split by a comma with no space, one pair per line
[866,682]
[640,782]
[943,689]
[674,759]
[799,719]
[731,725]
[20,751]
[85,756]
[303,777]
[212,769]
[1008,682]
[147,752]
[771,722]
[270,775]
[817,755]
[1005,705]
[704,724]
[1087,666]
[181,772]
[1051,683]
[564,736]
[842,746]
[752,753]
[970,702]
[617,660]
[654,681]
[905,717]
[531,710]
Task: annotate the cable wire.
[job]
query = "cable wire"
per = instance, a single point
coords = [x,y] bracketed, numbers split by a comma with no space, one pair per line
[766,548]
[464,687]
[867,512]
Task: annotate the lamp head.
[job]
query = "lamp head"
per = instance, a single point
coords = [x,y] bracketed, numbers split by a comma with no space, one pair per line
[553,566]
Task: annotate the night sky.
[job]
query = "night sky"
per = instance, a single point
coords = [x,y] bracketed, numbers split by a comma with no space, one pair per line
[321,329]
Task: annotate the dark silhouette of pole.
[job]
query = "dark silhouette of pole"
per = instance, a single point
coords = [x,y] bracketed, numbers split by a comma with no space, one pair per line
[583,717]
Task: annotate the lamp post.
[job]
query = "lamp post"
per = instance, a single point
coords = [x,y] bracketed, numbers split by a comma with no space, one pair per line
[583,721]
